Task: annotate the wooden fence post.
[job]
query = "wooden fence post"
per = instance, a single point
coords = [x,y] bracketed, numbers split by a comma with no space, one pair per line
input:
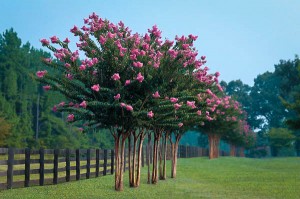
[42,164]
[105,162]
[10,168]
[112,161]
[77,164]
[186,151]
[67,153]
[55,166]
[88,163]
[27,167]
[97,162]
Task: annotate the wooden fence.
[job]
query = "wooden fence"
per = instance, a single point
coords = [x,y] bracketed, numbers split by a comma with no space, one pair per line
[26,167]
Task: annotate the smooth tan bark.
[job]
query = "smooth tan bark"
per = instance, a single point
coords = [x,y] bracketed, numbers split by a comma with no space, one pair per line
[214,142]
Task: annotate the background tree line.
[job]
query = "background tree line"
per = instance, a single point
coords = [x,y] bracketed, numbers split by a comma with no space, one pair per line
[26,116]
[271,104]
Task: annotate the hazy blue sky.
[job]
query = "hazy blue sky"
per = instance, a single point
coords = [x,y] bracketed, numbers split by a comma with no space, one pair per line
[240,38]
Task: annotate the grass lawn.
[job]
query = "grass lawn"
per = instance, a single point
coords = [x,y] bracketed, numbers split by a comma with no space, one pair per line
[225,177]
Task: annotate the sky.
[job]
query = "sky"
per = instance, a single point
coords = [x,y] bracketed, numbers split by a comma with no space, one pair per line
[240,38]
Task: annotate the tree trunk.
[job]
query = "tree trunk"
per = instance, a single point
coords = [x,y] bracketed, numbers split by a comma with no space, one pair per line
[214,141]
[157,135]
[174,147]
[119,138]
[139,166]
[232,150]
[160,152]
[165,156]
[242,152]
[148,158]
[129,161]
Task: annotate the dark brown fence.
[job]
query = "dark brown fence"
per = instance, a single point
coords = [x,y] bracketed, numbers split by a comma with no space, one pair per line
[26,167]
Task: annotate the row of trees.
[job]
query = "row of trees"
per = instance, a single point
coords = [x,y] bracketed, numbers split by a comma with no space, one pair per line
[137,85]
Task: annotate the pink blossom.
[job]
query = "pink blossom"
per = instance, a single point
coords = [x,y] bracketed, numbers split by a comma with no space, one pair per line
[115,76]
[173,53]
[203,57]
[110,35]
[67,40]
[74,29]
[156,95]
[44,42]
[41,74]
[47,87]
[61,104]
[122,104]
[209,92]
[102,40]
[118,96]
[220,87]
[48,60]
[209,118]
[140,77]
[54,109]
[180,124]
[95,60]
[71,104]
[80,129]
[138,64]
[54,39]
[129,108]
[127,82]
[193,37]
[67,65]
[69,76]
[86,21]
[177,106]
[150,114]
[96,87]
[173,99]
[83,104]
[191,104]
[199,112]
[82,67]
[70,117]
[217,74]
[207,113]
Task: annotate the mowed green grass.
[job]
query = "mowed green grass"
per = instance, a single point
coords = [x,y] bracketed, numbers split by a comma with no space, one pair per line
[226,177]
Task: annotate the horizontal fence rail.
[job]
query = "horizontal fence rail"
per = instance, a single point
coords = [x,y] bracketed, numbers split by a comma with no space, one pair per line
[31,167]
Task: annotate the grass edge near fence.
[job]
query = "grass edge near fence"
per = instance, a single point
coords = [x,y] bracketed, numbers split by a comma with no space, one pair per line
[225,177]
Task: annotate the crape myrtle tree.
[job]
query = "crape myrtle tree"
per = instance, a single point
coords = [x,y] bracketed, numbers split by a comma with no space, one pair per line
[116,85]
[240,136]
[220,119]
[110,87]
